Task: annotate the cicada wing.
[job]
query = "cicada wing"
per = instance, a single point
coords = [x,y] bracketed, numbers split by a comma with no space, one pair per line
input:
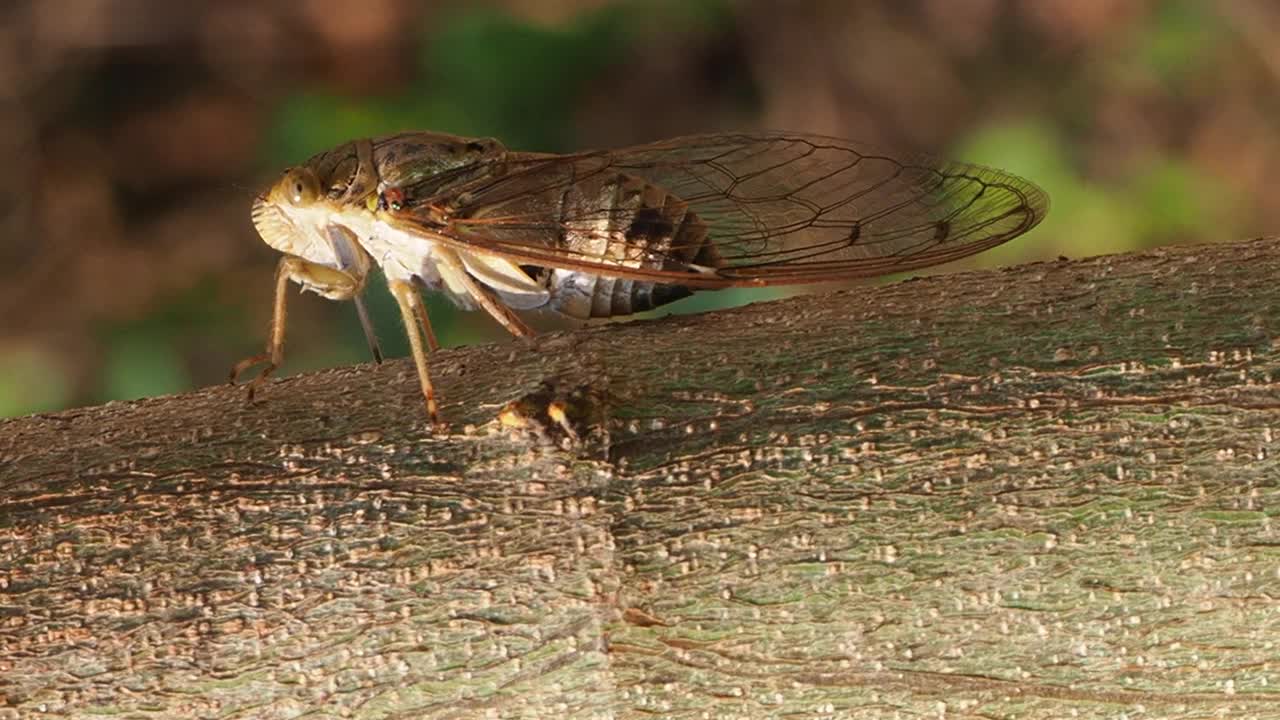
[768,209]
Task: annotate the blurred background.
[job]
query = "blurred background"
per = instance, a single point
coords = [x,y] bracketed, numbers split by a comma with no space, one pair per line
[134,134]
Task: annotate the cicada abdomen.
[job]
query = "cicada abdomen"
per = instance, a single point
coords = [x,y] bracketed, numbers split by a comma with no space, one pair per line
[617,218]
[635,224]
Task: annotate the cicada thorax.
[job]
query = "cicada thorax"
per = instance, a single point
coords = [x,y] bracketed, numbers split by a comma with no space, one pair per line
[346,173]
[357,172]
[625,219]
[424,164]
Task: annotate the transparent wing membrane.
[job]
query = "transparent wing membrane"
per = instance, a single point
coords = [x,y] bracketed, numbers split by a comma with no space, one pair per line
[734,209]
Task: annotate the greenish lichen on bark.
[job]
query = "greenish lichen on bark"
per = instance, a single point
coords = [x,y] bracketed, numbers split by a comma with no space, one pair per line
[1041,491]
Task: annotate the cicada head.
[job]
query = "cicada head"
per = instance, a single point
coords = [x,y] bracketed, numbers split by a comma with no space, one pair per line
[292,216]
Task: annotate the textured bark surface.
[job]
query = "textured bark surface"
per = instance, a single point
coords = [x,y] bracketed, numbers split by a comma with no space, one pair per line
[1047,491]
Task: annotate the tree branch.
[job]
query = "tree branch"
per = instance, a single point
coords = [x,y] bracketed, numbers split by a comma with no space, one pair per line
[1025,493]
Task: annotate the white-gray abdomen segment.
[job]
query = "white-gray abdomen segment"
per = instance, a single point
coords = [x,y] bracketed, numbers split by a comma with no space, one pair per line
[584,295]
[573,292]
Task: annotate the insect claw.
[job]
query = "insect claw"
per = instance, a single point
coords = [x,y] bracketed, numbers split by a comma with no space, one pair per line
[436,425]
[238,369]
[253,385]
[260,380]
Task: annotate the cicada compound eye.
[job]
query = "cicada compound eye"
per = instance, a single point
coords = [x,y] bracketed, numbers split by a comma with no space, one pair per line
[299,186]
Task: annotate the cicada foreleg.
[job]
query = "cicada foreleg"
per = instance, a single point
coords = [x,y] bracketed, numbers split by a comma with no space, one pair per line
[326,281]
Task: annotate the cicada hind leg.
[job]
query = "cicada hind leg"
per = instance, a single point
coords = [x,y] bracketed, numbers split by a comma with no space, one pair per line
[450,263]
[418,327]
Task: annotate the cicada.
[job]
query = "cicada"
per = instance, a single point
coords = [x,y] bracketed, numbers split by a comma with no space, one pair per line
[608,233]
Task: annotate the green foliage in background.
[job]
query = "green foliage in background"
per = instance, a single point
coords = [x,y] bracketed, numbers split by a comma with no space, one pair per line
[1175,46]
[1162,198]
[155,354]
[521,92]
[483,73]
[31,380]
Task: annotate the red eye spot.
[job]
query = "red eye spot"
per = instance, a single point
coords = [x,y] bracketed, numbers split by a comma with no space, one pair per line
[392,198]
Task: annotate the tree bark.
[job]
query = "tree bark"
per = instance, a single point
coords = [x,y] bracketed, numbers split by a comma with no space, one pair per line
[1039,492]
